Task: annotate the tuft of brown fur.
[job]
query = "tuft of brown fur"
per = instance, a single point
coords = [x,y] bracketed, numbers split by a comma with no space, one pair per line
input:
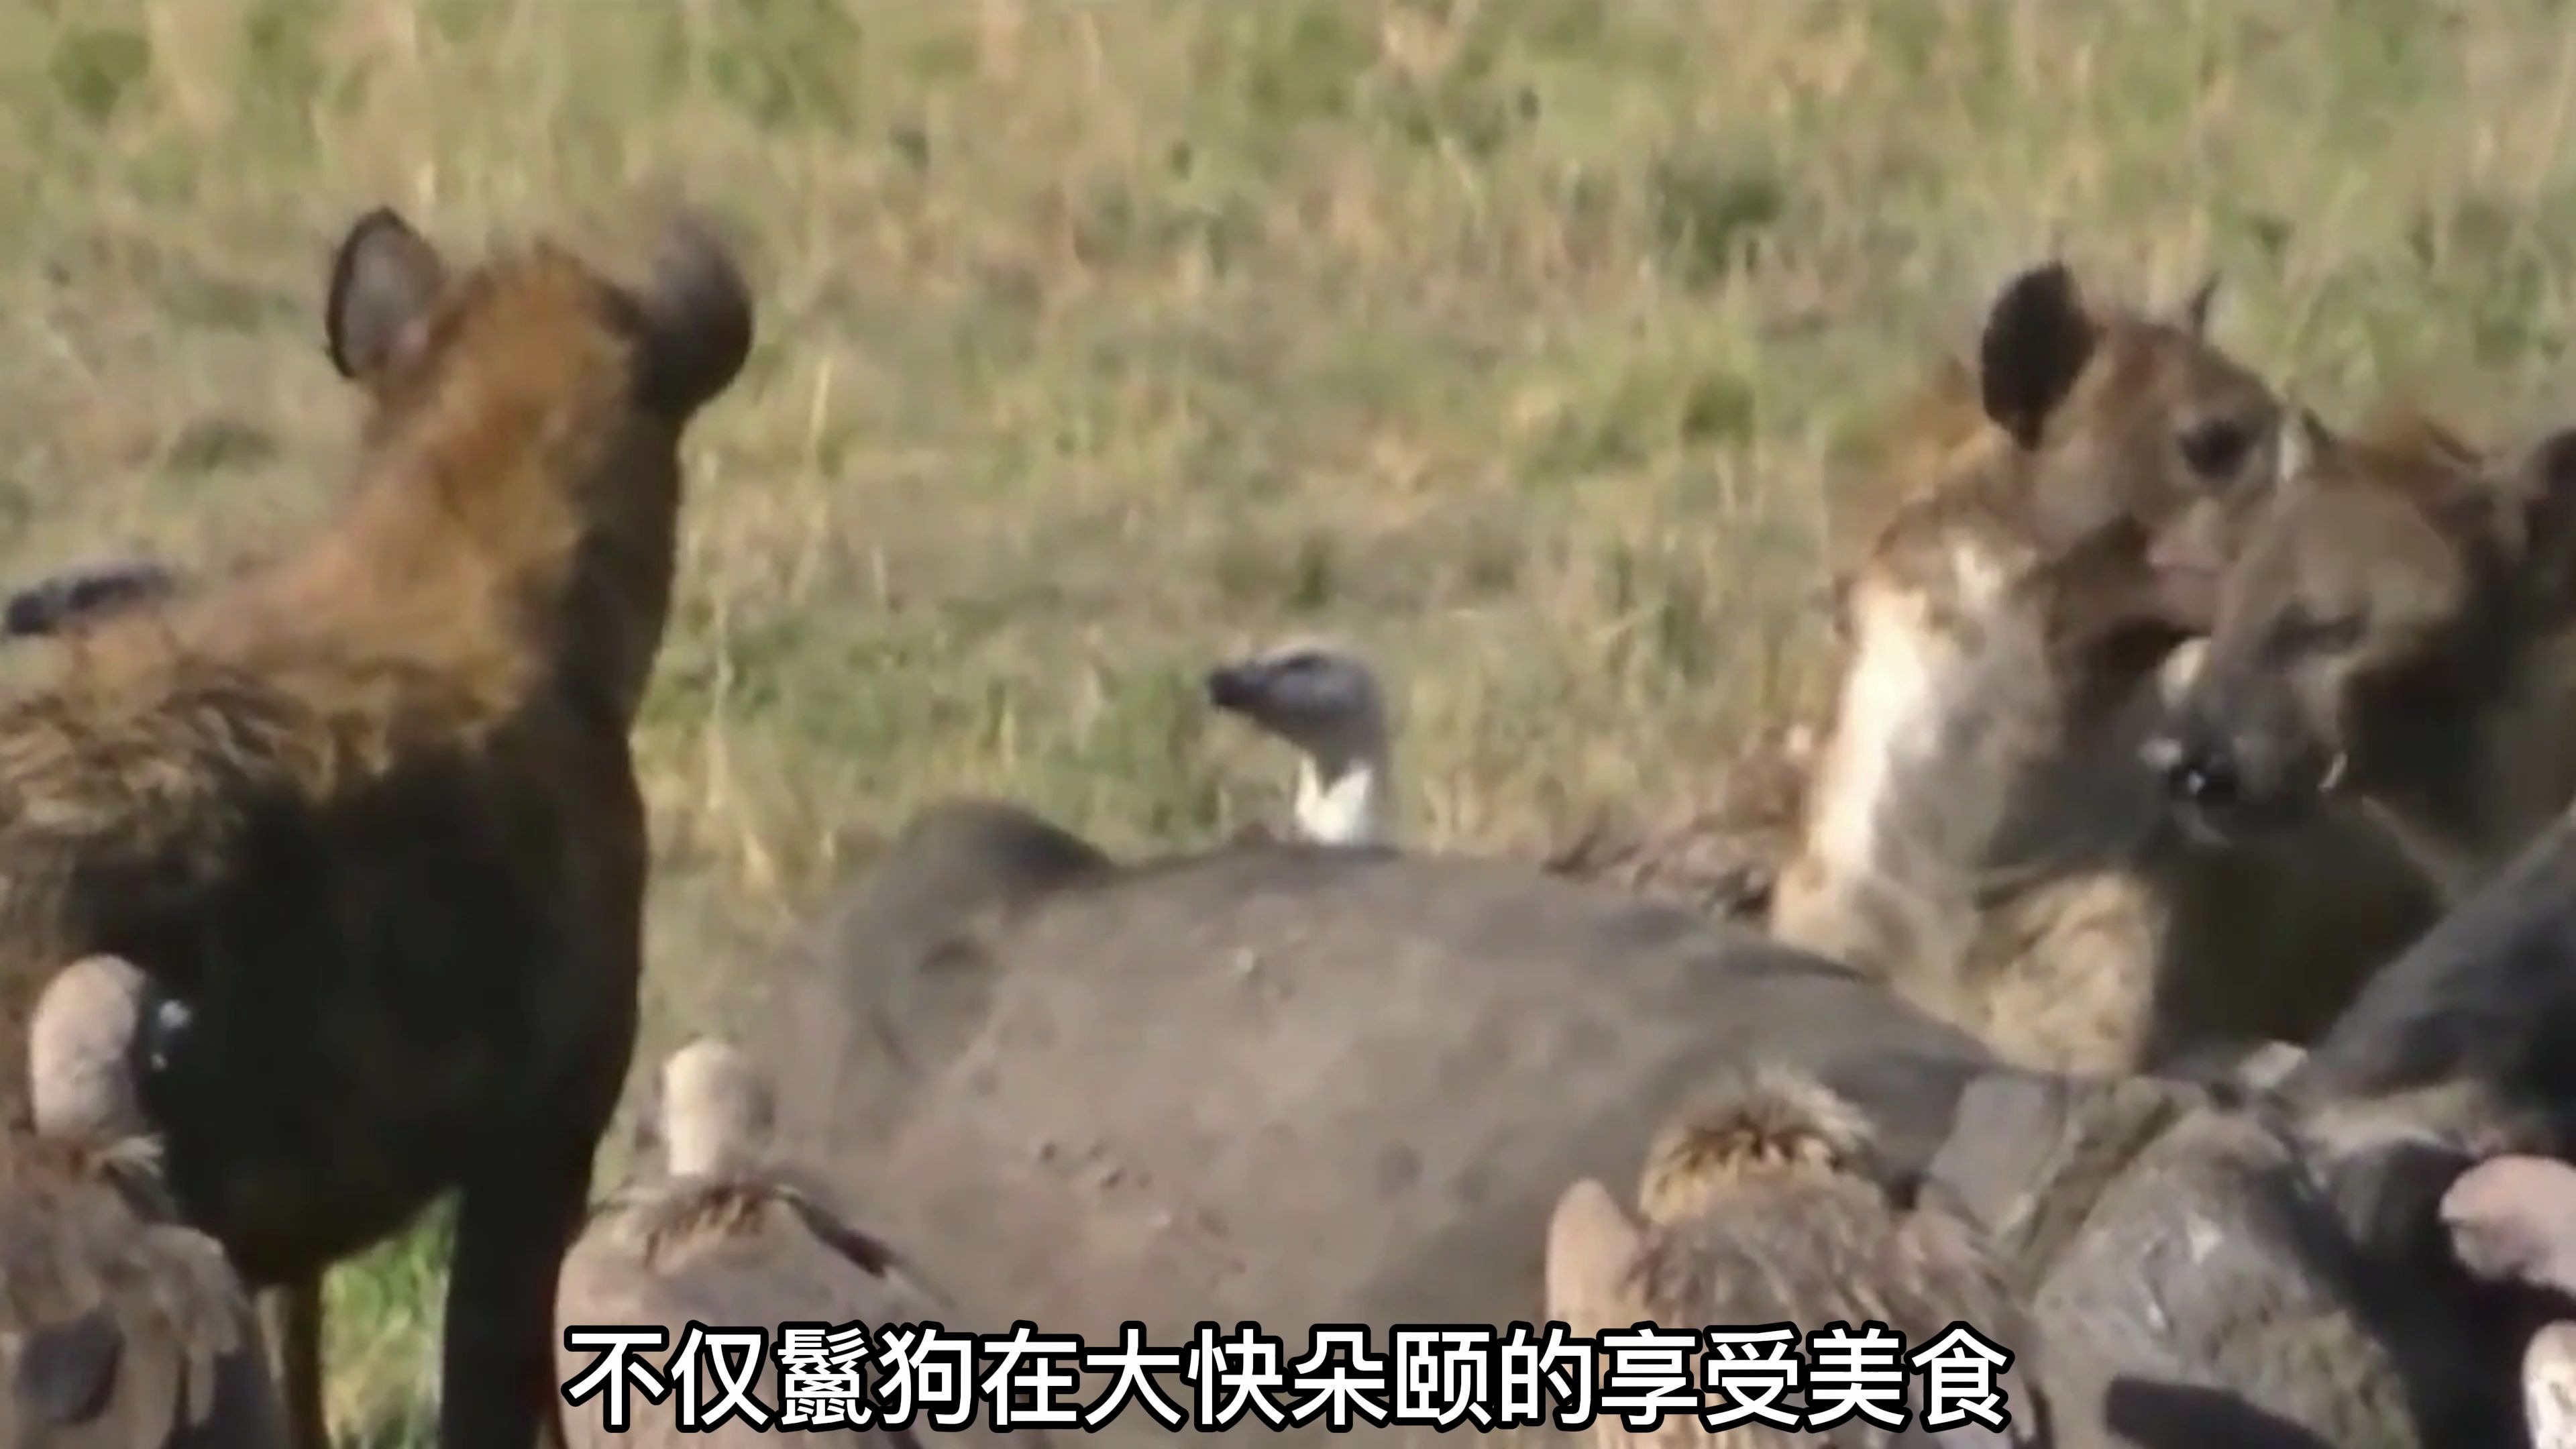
[1826,1251]
[1759,1205]
[723,1235]
[367,809]
[42,1163]
[660,1228]
[116,1323]
[1764,1122]
[667,1224]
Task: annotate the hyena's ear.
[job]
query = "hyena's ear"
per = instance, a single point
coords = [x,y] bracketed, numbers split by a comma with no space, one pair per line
[698,319]
[384,279]
[1591,1244]
[2037,339]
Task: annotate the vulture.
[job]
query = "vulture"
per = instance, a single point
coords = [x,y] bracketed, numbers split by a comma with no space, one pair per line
[728,1237]
[120,1328]
[1325,702]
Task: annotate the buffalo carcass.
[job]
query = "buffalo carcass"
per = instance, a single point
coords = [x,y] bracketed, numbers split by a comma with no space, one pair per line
[1279,1083]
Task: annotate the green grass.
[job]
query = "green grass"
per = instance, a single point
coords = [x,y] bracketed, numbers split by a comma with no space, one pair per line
[1518,341]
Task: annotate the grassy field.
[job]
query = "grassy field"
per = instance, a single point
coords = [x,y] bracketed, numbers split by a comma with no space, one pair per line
[1522,342]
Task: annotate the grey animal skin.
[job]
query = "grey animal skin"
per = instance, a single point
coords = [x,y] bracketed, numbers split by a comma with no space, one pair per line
[2181,1265]
[729,1237]
[2217,1287]
[1280,1083]
[119,1328]
[897,978]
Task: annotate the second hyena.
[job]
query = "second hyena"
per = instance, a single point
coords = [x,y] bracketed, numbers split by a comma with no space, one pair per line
[1979,828]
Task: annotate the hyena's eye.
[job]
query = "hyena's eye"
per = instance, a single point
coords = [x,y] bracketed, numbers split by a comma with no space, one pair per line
[2217,447]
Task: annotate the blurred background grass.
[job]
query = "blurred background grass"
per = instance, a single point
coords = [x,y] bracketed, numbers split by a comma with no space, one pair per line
[1521,342]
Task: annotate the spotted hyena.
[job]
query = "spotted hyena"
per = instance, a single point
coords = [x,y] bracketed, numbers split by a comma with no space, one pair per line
[365,814]
[1978,826]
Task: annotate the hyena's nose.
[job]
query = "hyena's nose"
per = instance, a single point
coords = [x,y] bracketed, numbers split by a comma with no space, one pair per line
[2195,769]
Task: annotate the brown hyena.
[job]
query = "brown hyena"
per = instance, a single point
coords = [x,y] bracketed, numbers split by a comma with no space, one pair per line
[1764,1204]
[1978,827]
[366,815]
[2395,635]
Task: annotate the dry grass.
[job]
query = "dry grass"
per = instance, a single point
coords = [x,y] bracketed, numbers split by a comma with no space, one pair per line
[1516,340]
